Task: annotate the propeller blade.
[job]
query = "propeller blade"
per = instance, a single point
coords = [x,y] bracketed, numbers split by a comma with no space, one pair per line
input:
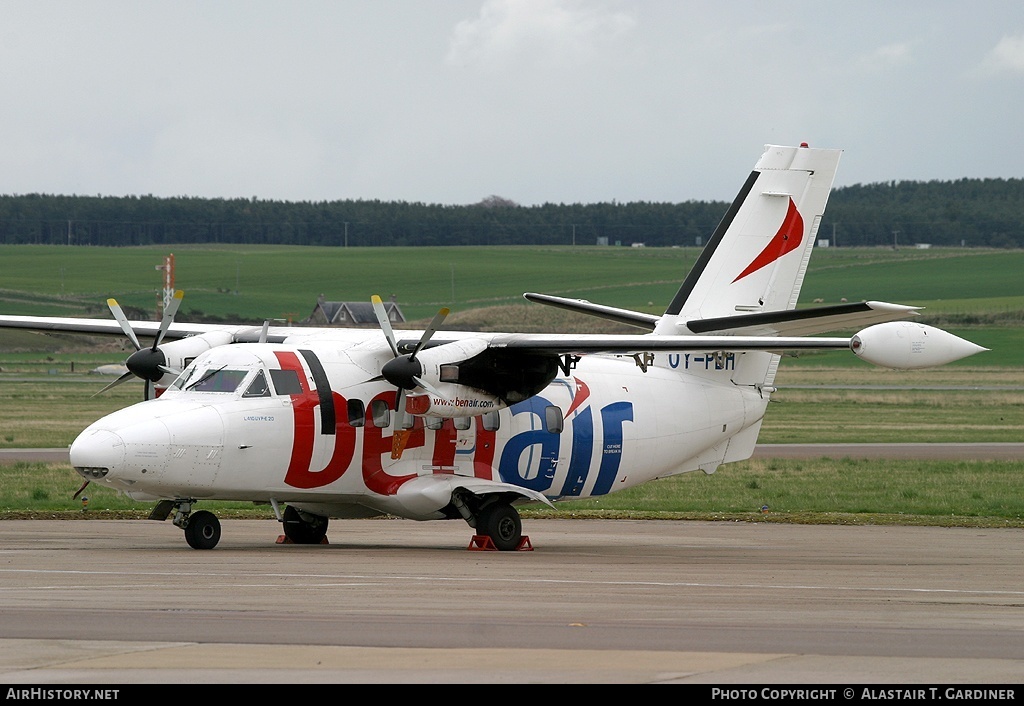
[264,332]
[115,309]
[401,435]
[385,323]
[428,387]
[126,376]
[439,318]
[169,312]
[400,413]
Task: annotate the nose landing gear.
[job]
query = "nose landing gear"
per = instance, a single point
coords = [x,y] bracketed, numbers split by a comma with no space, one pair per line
[202,528]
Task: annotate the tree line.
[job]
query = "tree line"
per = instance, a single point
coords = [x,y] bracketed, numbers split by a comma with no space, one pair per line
[965,212]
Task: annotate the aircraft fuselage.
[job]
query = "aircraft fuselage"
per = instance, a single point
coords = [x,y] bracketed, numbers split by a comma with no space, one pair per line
[323,442]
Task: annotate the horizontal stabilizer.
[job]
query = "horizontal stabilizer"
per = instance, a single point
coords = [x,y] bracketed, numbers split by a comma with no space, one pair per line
[804,322]
[611,313]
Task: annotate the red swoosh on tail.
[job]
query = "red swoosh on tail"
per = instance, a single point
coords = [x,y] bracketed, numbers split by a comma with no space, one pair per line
[791,232]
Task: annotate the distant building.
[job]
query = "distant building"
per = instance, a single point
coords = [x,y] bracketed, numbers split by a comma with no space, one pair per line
[327,313]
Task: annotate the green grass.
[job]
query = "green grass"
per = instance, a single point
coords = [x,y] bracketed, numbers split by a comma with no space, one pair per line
[823,490]
[829,490]
[258,282]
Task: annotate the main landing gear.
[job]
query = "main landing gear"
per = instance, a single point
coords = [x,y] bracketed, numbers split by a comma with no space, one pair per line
[500,522]
[303,527]
[496,521]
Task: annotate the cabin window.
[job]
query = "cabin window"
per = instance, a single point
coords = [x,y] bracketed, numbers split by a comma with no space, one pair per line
[490,421]
[219,380]
[553,419]
[286,382]
[462,423]
[356,413]
[258,387]
[435,423]
[381,414]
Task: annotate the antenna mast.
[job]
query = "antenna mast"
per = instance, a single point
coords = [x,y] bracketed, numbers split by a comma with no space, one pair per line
[168,291]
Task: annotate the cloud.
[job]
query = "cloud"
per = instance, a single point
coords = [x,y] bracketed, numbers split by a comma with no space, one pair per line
[544,32]
[887,57]
[1007,55]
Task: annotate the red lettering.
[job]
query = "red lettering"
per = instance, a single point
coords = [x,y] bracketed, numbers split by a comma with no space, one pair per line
[483,457]
[444,444]
[375,445]
[304,405]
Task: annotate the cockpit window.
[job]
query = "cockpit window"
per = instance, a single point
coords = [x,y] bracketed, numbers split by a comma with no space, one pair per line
[286,382]
[258,387]
[182,380]
[218,380]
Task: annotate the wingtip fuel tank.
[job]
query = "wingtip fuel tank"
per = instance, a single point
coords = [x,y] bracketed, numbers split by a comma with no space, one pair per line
[907,345]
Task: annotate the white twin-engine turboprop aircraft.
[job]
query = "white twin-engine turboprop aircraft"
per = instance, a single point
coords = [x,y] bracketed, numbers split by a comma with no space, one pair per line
[345,423]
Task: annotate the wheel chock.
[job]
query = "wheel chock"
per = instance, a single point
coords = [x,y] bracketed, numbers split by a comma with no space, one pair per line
[283,539]
[483,543]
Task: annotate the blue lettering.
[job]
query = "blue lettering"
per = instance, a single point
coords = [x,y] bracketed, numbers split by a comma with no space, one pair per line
[673,360]
[612,418]
[524,443]
[582,450]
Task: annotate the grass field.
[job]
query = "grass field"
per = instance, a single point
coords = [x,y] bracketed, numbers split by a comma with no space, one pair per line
[817,491]
[258,282]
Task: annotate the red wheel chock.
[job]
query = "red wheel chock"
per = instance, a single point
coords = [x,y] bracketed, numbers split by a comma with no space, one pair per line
[283,539]
[483,543]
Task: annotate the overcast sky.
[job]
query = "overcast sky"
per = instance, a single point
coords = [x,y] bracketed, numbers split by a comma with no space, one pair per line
[560,101]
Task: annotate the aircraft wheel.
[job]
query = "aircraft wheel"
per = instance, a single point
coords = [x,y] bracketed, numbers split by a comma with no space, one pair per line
[202,530]
[301,531]
[501,523]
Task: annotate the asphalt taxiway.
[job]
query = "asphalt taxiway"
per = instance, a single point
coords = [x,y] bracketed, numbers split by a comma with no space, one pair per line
[594,601]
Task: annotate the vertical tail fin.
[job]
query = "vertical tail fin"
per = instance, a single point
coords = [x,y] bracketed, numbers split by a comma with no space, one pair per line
[756,259]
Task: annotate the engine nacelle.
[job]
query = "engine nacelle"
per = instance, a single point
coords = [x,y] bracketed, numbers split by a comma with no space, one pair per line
[907,345]
[178,354]
[437,363]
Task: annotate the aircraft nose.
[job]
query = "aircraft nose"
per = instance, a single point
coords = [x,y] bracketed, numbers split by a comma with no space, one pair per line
[96,452]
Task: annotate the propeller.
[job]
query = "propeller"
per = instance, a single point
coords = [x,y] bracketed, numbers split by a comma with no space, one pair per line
[150,364]
[404,371]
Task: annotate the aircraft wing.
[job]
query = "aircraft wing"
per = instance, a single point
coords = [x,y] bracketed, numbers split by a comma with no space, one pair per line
[108,327]
[561,344]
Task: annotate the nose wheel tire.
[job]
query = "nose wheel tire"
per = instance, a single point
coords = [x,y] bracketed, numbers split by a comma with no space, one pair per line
[202,530]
